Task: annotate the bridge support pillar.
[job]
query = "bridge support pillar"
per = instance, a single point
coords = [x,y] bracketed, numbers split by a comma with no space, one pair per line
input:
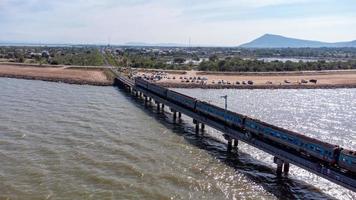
[179,115]
[236,143]
[282,167]
[162,107]
[202,127]
[174,115]
[279,169]
[158,106]
[196,125]
[286,168]
[229,142]
[146,100]
[229,145]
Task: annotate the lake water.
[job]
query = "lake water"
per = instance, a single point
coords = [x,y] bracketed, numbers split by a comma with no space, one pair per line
[60,141]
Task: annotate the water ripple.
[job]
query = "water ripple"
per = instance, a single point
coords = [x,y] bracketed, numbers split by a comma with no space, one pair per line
[60,141]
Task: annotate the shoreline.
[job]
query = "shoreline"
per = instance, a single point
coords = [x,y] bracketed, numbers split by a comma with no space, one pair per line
[252,80]
[182,86]
[56,80]
[79,76]
[252,87]
[104,76]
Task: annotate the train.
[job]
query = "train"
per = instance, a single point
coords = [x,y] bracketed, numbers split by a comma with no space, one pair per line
[325,153]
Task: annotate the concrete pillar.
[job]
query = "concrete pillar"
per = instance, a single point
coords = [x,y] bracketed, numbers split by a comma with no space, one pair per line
[162,107]
[202,126]
[174,115]
[146,100]
[229,145]
[157,106]
[280,164]
[286,168]
[236,143]
[196,125]
[179,115]
[279,169]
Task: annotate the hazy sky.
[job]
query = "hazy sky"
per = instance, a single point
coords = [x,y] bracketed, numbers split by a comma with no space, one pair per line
[206,22]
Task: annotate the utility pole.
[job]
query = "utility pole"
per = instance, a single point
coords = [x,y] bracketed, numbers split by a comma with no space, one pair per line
[225,97]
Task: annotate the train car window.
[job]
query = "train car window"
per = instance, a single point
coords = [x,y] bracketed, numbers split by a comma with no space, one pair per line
[318,149]
[296,142]
[267,131]
[346,160]
[271,132]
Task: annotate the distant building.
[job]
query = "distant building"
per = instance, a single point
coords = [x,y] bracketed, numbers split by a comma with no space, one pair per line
[35,55]
[45,54]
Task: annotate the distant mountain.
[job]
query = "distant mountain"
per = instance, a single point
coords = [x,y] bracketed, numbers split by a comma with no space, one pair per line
[277,41]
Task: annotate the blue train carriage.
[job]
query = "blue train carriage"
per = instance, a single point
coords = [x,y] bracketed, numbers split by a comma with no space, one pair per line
[181,99]
[216,112]
[158,90]
[141,82]
[301,143]
[347,160]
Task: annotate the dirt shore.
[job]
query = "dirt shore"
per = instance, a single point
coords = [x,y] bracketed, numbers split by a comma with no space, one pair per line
[100,76]
[56,74]
[280,80]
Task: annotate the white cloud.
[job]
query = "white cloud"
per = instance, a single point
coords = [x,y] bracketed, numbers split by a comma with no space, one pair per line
[263,3]
[91,21]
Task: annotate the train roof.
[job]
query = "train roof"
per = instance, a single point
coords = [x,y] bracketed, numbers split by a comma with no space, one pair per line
[349,152]
[182,94]
[228,111]
[293,133]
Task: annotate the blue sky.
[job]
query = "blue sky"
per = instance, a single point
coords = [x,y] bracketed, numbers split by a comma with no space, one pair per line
[206,22]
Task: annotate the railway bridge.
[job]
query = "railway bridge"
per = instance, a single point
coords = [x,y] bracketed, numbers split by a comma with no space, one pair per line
[283,154]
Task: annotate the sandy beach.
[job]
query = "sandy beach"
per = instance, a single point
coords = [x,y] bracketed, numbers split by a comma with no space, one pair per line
[56,74]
